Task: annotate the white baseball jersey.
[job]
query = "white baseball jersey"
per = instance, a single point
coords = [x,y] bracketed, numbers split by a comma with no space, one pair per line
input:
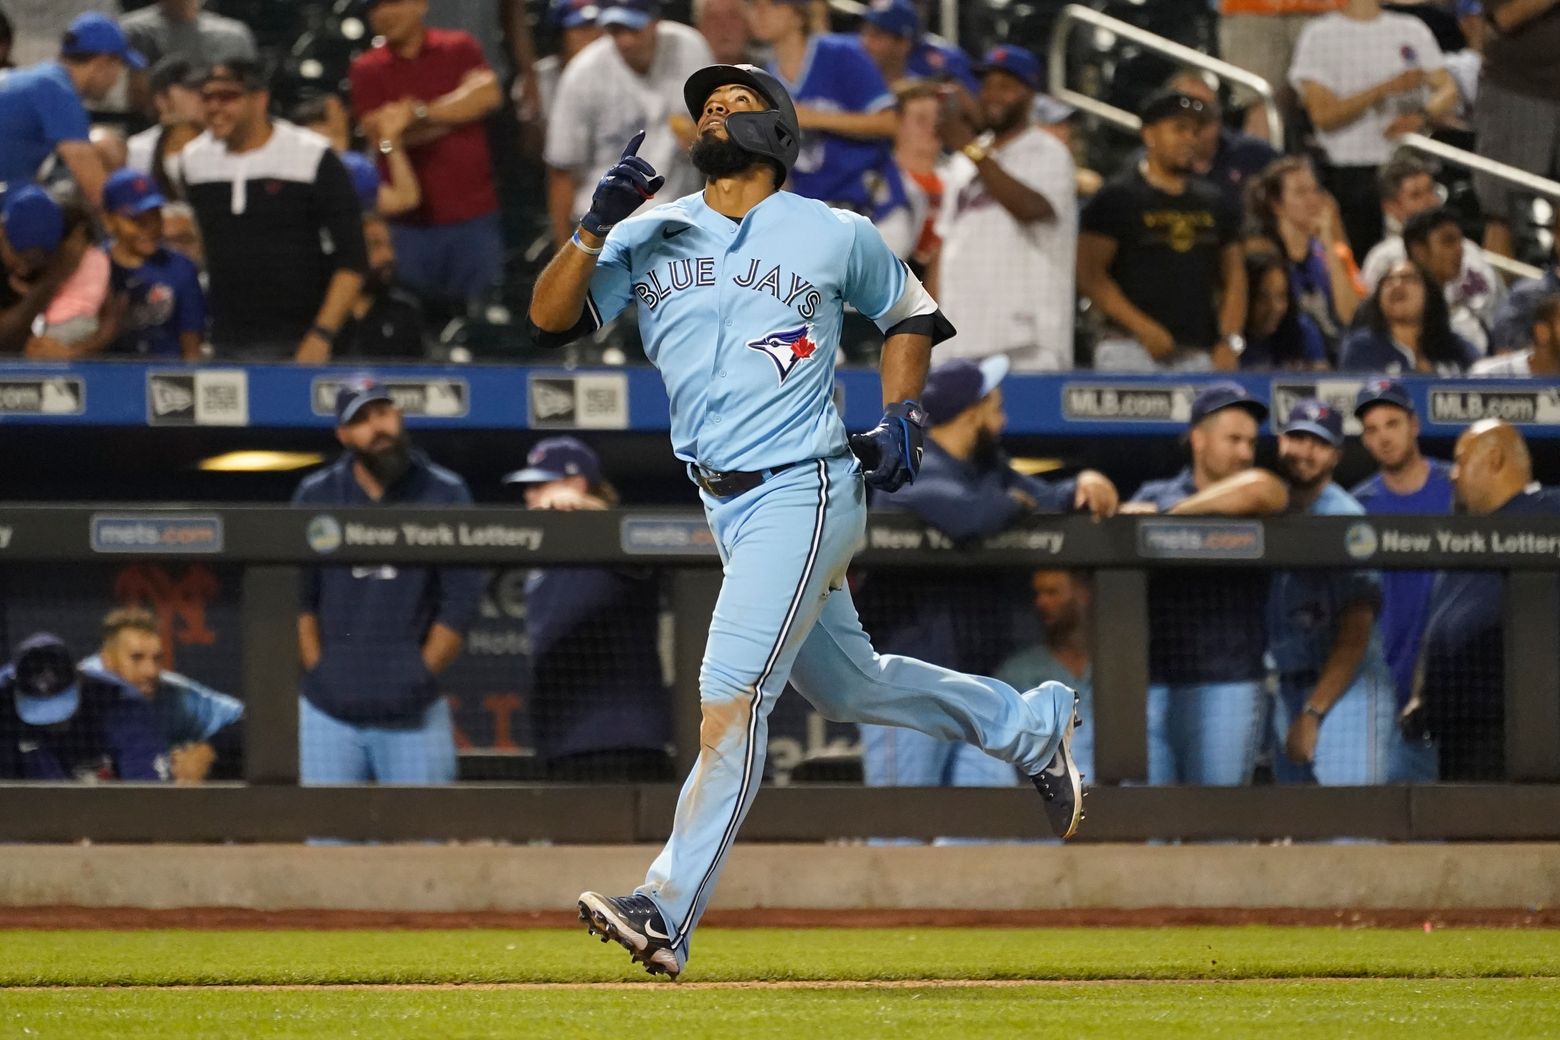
[601,103]
[1008,286]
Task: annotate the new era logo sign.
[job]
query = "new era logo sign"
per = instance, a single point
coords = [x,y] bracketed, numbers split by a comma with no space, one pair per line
[552,402]
[172,398]
[592,401]
[218,397]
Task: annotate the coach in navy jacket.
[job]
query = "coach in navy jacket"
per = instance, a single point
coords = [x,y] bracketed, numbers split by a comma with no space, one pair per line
[373,639]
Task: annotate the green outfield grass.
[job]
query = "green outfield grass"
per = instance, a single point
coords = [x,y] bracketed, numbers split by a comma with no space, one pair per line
[1191,982]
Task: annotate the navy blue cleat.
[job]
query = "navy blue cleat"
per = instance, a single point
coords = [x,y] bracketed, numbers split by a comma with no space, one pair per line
[634,923]
[1061,785]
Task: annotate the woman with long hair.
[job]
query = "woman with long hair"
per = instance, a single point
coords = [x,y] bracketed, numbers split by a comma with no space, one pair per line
[1405,328]
[1277,334]
[175,134]
[1290,213]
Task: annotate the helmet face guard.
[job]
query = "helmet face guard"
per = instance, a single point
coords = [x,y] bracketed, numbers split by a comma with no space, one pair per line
[773,134]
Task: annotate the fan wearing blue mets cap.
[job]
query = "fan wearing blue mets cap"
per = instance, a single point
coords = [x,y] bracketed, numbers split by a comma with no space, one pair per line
[1010,191]
[165,306]
[740,292]
[60,722]
[1207,628]
[967,489]
[847,115]
[373,640]
[1406,483]
[595,715]
[42,110]
[1337,718]
[891,35]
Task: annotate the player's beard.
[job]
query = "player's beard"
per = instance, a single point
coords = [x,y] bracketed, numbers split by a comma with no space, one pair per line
[1296,481]
[389,463]
[987,451]
[716,156]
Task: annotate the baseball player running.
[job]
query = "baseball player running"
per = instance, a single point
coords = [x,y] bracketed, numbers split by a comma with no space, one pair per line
[740,290]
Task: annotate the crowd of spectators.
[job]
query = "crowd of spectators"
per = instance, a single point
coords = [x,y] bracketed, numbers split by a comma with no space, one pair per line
[972,172]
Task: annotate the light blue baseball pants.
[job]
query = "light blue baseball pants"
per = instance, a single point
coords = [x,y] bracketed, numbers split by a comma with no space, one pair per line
[1203,733]
[784,613]
[331,751]
[1354,742]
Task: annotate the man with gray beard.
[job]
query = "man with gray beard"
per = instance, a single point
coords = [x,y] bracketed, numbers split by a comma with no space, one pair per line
[373,639]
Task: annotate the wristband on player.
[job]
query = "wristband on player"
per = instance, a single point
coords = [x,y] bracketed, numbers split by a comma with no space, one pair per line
[579,244]
[1316,713]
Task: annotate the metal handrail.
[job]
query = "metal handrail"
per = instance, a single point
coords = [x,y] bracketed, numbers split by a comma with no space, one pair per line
[1473,161]
[1077,14]
[1500,171]
[1506,265]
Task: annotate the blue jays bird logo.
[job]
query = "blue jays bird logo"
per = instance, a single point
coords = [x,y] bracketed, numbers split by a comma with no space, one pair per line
[787,348]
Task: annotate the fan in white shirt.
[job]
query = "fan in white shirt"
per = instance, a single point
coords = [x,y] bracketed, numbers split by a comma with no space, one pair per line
[1541,359]
[1367,76]
[1009,226]
[631,80]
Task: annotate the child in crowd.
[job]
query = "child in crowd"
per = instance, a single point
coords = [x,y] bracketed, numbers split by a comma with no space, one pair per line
[165,309]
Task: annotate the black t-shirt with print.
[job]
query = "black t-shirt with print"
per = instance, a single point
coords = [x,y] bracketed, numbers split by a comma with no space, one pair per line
[1167,250]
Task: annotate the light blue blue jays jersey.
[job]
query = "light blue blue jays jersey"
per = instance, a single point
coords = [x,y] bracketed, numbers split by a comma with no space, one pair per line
[743,319]
[1303,606]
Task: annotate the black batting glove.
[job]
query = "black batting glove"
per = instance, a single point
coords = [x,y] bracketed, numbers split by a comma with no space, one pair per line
[890,453]
[622,189]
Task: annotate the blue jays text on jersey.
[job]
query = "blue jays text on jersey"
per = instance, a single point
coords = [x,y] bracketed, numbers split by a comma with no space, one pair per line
[742,319]
[699,272]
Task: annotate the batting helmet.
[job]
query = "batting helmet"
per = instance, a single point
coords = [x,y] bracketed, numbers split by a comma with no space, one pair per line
[774,134]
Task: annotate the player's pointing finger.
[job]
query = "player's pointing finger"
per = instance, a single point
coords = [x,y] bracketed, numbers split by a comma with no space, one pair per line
[632,148]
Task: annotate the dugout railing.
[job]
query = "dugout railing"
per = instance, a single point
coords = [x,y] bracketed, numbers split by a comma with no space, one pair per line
[272,543]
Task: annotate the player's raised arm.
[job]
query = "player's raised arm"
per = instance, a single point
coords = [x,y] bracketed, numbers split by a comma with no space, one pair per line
[561,306]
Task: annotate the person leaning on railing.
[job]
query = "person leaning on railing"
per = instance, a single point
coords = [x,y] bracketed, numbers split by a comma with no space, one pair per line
[967,489]
[1334,689]
[1207,628]
[202,729]
[1462,667]
[1406,484]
